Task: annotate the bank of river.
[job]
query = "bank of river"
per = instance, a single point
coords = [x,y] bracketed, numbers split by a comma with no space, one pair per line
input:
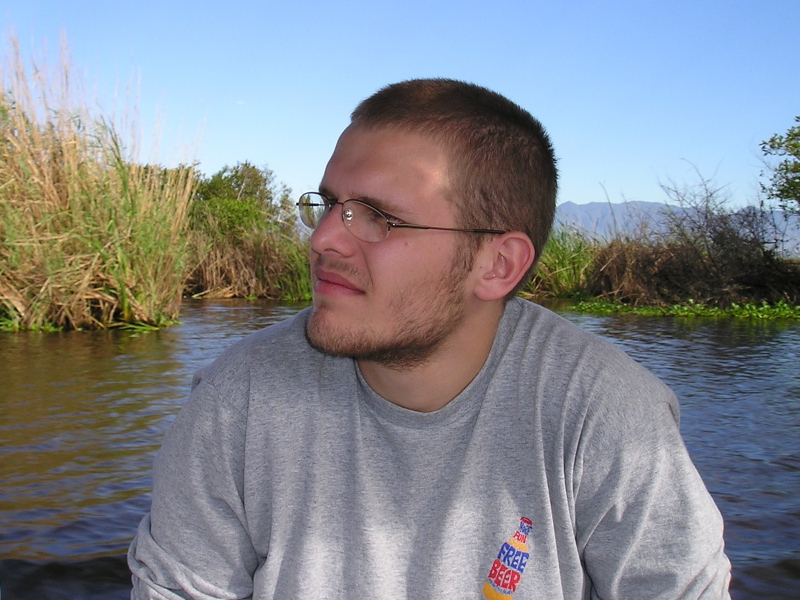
[81,415]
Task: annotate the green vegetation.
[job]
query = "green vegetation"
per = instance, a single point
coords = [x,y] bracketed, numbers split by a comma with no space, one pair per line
[244,239]
[784,183]
[91,238]
[750,310]
[565,268]
[705,260]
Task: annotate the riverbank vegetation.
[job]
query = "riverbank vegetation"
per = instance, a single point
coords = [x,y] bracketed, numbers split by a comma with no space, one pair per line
[701,259]
[90,237]
[244,239]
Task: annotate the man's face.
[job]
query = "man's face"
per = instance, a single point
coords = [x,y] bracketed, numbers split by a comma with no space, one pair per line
[395,301]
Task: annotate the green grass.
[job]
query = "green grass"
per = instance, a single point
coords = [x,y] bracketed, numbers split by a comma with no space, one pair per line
[565,265]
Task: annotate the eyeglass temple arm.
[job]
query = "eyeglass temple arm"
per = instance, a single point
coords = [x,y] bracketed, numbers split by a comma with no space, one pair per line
[412,226]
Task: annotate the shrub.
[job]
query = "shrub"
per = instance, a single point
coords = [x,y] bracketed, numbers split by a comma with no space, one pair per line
[245,241]
[704,252]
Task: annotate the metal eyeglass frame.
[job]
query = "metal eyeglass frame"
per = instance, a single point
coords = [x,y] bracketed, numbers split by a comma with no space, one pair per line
[348,215]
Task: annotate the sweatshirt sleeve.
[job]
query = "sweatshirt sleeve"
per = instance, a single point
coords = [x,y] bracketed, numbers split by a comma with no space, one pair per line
[195,541]
[646,525]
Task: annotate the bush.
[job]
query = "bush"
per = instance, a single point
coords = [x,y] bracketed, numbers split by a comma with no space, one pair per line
[784,175]
[245,241]
[235,201]
[705,253]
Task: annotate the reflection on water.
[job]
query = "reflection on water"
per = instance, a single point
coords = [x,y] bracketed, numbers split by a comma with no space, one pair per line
[81,415]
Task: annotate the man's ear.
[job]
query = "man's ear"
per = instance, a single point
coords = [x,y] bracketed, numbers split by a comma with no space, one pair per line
[501,263]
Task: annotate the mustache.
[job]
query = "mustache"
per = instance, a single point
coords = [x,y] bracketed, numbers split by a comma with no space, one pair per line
[340,267]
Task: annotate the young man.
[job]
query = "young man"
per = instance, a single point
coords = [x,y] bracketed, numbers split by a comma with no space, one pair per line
[420,432]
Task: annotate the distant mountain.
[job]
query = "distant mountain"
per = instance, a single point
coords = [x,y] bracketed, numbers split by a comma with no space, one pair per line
[605,220]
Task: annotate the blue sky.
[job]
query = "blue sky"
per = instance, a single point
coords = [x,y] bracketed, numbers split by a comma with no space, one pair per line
[632,93]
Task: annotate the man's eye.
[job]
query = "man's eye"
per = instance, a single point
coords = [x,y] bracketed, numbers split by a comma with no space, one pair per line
[377,217]
[389,218]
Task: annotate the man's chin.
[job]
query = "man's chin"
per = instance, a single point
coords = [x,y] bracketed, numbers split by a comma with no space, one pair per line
[342,343]
[322,335]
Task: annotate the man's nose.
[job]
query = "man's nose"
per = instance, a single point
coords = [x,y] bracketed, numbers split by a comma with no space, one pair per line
[331,235]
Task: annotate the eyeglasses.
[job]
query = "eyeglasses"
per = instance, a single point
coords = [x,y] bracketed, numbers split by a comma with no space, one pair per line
[363,220]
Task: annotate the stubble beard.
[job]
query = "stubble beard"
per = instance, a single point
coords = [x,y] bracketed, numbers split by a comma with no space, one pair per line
[417,334]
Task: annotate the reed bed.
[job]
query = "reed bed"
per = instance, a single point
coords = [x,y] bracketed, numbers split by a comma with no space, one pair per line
[269,265]
[704,253]
[92,238]
[89,237]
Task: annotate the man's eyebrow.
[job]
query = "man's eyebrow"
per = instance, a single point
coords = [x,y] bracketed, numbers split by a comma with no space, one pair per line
[378,203]
[381,205]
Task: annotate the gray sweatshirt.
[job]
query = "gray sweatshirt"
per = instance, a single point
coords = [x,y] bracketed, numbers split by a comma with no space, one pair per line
[558,473]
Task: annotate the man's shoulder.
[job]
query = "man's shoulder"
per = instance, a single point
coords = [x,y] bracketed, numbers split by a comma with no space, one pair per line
[278,346]
[534,325]
[579,363]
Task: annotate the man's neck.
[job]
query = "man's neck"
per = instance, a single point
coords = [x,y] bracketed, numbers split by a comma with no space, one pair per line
[433,384]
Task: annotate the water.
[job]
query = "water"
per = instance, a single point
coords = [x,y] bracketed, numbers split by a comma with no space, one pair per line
[81,414]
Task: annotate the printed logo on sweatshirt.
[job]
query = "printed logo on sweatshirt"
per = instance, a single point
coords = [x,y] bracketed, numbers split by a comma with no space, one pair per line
[506,570]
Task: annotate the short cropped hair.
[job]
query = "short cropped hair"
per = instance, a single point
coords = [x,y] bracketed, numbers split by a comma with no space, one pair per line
[503,168]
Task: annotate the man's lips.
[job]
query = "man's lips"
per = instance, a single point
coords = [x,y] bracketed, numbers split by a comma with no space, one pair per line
[328,282]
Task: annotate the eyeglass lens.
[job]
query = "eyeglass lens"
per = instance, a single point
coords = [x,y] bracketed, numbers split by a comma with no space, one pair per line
[363,221]
[312,208]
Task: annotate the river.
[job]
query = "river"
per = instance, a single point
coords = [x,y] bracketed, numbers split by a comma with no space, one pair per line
[82,413]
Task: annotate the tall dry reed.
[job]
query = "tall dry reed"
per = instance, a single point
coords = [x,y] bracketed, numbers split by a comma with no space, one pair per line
[260,265]
[697,251]
[705,253]
[88,236]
